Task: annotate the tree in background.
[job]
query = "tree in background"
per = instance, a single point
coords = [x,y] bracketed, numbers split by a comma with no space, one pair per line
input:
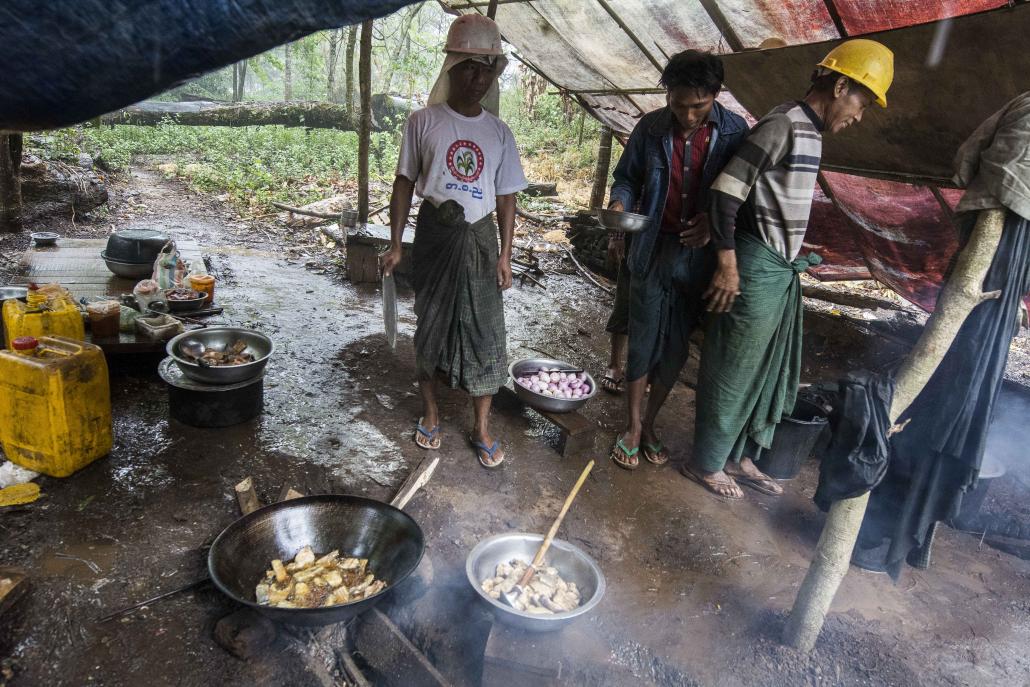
[287,72]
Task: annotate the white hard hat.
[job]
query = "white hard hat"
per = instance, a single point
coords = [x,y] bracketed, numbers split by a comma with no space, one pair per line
[474,34]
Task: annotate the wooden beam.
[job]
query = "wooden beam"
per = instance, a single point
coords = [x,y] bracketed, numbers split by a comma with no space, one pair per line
[723,24]
[604,161]
[491,9]
[835,16]
[365,128]
[629,32]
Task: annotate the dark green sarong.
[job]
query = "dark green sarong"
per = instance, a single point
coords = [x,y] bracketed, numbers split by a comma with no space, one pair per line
[751,357]
[460,331]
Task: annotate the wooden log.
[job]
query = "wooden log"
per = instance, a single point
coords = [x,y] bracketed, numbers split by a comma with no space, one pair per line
[10,182]
[398,662]
[852,300]
[365,128]
[962,292]
[604,161]
[541,190]
[246,497]
[384,110]
[415,481]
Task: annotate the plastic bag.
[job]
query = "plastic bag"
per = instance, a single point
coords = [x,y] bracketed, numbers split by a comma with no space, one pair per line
[148,293]
[169,269]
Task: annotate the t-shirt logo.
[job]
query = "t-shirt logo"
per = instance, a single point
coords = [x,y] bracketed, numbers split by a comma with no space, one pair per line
[465,161]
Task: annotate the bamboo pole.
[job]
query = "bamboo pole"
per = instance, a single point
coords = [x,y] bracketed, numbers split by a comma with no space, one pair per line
[962,292]
[365,128]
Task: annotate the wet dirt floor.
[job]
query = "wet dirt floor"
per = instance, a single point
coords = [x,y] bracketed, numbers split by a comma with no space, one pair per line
[697,588]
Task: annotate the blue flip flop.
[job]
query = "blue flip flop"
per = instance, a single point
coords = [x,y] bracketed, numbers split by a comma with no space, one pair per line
[430,434]
[482,448]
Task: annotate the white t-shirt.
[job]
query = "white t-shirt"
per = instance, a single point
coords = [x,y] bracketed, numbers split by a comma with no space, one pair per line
[470,160]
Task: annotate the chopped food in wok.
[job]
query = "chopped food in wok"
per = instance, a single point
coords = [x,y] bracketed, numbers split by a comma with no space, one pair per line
[546,594]
[309,581]
[234,354]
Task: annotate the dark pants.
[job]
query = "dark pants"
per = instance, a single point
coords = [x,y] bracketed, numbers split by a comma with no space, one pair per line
[664,307]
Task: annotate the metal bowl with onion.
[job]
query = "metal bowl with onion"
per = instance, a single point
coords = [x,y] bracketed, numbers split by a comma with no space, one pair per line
[218,339]
[572,563]
[628,222]
[358,527]
[539,401]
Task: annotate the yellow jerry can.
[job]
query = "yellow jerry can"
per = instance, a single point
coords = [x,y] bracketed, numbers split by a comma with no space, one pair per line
[55,405]
[41,316]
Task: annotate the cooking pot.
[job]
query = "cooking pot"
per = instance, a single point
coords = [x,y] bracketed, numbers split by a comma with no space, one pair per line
[135,245]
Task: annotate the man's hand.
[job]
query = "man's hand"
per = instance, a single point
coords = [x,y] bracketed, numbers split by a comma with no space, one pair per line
[616,249]
[725,286]
[696,233]
[389,260]
[617,206]
[504,272]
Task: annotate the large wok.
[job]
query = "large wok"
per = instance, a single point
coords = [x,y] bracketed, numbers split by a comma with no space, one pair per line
[387,536]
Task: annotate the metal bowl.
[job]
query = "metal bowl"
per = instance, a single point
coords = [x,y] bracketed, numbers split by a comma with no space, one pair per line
[129,270]
[572,563]
[44,238]
[539,401]
[628,222]
[217,338]
[185,305]
[362,528]
[136,245]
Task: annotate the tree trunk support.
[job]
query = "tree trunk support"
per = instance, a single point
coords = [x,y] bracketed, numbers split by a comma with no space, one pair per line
[604,161]
[962,292]
[365,128]
[10,182]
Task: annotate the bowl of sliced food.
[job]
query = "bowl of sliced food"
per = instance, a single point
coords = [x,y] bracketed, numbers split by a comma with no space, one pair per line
[316,560]
[182,300]
[221,355]
[567,586]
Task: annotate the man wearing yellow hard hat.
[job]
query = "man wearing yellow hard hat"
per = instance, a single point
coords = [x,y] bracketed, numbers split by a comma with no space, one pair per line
[751,358]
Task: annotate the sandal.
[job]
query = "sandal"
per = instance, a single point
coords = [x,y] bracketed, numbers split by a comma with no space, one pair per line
[625,458]
[687,472]
[611,384]
[431,442]
[490,462]
[763,485]
[655,453]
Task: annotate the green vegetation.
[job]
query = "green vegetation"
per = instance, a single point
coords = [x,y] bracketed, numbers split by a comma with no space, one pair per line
[258,165]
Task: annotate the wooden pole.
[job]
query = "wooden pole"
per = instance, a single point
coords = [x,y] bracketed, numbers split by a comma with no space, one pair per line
[365,127]
[604,161]
[491,9]
[10,182]
[962,292]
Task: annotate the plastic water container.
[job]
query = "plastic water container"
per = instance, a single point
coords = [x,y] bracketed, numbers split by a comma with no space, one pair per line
[42,317]
[55,405]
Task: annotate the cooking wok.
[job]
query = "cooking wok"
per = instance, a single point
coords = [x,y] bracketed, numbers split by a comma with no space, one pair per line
[362,528]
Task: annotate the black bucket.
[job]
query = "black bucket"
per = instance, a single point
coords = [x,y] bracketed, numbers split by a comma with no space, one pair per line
[794,440]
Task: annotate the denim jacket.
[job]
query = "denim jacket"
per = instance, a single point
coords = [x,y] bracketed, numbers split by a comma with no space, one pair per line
[642,175]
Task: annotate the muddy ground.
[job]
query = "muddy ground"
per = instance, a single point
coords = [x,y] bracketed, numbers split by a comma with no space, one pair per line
[697,588]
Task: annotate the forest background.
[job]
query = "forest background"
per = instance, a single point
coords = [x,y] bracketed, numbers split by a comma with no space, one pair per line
[256,165]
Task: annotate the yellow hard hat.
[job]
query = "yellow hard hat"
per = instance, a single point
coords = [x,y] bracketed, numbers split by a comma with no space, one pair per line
[867,62]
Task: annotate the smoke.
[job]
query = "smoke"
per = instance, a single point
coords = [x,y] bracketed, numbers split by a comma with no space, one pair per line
[1008,439]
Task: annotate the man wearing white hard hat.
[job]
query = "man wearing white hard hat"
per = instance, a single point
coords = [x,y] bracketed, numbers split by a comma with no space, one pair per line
[462,161]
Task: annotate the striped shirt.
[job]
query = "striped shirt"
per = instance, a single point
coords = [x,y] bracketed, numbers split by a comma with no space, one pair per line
[774,176]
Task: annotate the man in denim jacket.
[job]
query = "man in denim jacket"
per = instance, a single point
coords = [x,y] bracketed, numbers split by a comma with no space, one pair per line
[671,159]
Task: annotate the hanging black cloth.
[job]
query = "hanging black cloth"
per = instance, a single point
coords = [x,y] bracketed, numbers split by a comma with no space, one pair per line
[937,457]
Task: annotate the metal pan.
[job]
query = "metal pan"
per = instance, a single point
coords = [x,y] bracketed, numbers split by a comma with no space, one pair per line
[388,537]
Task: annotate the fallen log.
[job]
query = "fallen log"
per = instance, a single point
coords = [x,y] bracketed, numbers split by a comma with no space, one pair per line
[51,188]
[311,115]
[852,300]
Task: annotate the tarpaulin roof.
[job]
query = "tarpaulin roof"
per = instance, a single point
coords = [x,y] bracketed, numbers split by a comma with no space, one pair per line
[950,75]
